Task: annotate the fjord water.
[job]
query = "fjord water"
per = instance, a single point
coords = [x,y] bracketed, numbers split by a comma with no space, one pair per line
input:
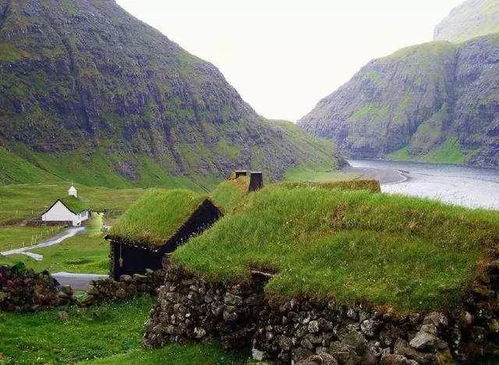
[460,185]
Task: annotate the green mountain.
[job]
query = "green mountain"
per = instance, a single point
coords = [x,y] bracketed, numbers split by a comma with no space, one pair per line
[471,19]
[434,102]
[91,94]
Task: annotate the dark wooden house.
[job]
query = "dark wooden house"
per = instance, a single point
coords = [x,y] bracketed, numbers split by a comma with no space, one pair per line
[155,226]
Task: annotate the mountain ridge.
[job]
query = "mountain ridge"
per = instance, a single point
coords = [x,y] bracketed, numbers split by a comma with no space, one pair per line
[471,19]
[84,81]
[434,102]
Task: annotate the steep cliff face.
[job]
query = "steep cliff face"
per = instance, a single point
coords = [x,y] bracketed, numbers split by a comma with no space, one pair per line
[473,18]
[437,102]
[82,81]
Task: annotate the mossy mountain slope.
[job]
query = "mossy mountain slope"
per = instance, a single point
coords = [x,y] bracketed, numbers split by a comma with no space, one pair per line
[435,102]
[86,82]
[471,19]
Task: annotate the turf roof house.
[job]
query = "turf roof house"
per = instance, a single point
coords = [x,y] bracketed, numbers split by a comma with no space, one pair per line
[156,225]
[69,210]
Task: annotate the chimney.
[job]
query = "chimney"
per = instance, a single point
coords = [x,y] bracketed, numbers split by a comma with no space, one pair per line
[240,173]
[256,181]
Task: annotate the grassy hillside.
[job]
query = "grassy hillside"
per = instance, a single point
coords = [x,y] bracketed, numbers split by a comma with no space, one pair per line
[430,102]
[24,202]
[406,253]
[91,94]
[86,252]
[473,18]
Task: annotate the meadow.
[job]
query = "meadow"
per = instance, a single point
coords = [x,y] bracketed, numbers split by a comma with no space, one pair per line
[20,203]
[84,253]
[106,334]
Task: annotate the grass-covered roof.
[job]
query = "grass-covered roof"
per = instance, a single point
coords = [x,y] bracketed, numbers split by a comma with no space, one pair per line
[74,204]
[228,193]
[156,216]
[402,252]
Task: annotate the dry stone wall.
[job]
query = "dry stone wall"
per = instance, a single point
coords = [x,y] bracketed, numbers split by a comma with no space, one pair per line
[127,287]
[191,309]
[23,290]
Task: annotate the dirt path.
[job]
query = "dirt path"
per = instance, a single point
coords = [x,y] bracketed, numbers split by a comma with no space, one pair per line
[70,232]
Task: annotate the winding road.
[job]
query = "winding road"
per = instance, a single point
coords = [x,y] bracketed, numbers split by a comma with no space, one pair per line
[76,281]
[70,232]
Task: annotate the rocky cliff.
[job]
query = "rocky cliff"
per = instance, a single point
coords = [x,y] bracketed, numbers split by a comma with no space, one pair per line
[88,92]
[435,102]
[471,19]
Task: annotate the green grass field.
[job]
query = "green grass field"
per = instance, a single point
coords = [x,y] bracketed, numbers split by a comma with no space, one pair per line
[106,334]
[406,253]
[24,202]
[15,237]
[84,253]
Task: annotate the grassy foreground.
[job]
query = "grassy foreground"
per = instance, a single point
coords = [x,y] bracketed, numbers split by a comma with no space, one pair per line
[406,253]
[107,334]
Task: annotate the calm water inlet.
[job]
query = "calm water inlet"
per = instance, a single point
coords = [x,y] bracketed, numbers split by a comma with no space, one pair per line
[467,186]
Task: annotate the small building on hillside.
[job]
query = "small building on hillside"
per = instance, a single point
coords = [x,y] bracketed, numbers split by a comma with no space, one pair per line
[68,211]
[156,225]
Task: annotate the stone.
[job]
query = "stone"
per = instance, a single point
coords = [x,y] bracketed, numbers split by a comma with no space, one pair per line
[429,328]
[437,319]
[369,327]
[423,341]
[125,278]
[393,359]
[313,326]
[320,359]
[257,355]
[494,326]
[199,332]
[68,290]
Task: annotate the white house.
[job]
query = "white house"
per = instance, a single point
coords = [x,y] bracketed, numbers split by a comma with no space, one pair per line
[73,192]
[67,210]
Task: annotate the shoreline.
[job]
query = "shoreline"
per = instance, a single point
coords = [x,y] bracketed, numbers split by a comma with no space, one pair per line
[384,176]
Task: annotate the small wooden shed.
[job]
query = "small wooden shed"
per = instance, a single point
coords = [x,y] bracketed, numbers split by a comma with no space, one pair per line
[156,225]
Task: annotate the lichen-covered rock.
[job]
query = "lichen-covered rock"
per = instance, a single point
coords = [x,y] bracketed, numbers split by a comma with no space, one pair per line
[320,359]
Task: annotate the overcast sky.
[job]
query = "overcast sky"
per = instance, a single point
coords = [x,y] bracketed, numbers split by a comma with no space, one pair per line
[283,56]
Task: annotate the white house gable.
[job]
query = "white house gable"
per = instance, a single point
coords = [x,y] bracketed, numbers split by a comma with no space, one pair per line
[60,213]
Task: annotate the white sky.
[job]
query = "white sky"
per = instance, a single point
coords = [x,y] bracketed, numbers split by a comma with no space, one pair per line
[283,56]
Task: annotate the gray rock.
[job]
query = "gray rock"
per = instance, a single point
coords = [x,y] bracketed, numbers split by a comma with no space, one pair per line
[423,341]
[392,359]
[369,327]
[313,326]
[257,354]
